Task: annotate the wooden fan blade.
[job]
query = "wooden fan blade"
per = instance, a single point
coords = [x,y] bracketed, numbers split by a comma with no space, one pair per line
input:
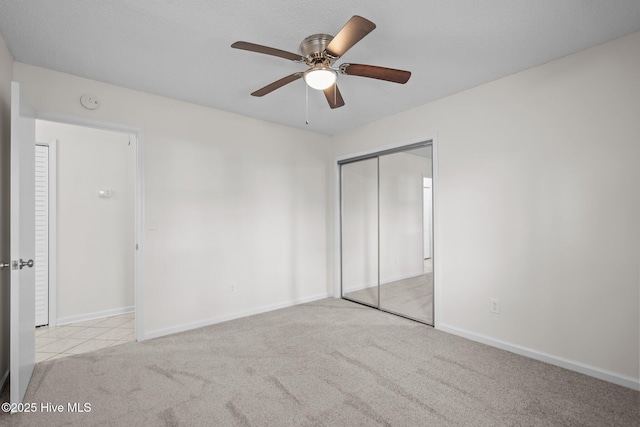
[334,97]
[354,30]
[277,84]
[374,72]
[252,47]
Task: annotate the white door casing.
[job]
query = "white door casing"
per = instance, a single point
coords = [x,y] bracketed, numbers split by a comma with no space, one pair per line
[22,245]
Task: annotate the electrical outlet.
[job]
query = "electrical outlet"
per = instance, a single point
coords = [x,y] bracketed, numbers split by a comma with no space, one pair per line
[494,306]
[232,288]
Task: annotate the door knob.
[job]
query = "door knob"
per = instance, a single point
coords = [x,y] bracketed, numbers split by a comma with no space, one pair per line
[25,263]
[4,265]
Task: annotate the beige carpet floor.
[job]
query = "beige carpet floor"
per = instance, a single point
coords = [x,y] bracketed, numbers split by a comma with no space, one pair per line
[326,363]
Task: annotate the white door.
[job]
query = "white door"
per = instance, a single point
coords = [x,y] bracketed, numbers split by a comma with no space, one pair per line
[22,218]
[42,235]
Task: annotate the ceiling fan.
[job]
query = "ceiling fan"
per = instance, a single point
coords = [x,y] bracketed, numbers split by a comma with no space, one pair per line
[319,52]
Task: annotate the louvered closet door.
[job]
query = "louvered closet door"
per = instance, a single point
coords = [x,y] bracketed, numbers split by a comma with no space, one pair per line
[42,235]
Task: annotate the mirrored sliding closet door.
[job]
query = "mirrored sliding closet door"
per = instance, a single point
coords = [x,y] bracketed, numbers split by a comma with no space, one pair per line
[387,231]
[360,231]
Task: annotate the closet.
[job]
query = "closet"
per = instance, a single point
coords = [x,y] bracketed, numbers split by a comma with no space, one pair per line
[386,231]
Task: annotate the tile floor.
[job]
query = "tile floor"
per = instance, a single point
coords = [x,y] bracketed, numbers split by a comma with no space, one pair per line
[76,338]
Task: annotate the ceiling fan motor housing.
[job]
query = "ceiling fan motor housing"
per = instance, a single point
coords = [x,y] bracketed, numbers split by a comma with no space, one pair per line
[313,47]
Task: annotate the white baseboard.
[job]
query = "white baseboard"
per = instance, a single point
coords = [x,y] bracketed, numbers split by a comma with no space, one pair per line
[3,381]
[219,319]
[94,315]
[592,371]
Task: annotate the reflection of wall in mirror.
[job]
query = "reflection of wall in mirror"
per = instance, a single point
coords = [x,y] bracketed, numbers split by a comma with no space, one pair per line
[401,215]
[401,219]
[359,225]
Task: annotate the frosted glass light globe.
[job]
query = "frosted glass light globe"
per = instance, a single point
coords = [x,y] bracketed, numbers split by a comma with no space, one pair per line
[320,77]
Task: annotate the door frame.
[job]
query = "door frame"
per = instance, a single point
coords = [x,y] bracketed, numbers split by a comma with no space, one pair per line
[337,229]
[139,203]
[53,229]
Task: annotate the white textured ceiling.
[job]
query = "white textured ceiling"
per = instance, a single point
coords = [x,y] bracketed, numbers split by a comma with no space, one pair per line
[181,48]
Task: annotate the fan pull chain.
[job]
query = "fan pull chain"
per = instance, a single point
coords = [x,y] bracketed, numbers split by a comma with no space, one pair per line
[306,91]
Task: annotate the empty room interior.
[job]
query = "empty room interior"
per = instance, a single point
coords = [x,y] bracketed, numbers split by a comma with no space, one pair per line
[223,213]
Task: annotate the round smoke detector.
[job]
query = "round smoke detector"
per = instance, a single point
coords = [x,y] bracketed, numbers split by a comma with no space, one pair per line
[89,101]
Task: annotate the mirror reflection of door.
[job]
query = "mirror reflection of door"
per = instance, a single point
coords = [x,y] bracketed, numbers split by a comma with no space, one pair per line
[427,201]
[386,229]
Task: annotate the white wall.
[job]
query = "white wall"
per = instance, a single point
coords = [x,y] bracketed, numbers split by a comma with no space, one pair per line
[539,205]
[228,200]
[6,75]
[96,236]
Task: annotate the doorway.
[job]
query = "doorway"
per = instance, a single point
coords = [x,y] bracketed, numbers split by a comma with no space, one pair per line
[91,304]
[386,241]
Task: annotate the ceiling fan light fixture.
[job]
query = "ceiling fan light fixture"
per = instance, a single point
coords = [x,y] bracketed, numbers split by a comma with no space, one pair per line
[319,52]
[320,77]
